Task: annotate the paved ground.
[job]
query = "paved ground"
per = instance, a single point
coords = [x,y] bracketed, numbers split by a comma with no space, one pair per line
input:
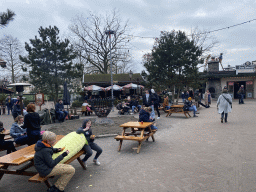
[189,155]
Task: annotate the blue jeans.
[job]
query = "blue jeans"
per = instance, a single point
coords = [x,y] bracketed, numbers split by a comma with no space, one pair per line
[9,109]
[133,107]
[193,108]
[222,116]
[241,99]
[62,114]
[168,107]
[152,114]
[88,150]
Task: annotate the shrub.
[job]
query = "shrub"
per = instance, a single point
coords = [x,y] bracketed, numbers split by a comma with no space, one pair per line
[77,103]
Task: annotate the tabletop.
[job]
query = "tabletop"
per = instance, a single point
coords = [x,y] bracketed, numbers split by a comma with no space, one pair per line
[6,132]
[21,156]
[136,125]
[177,106]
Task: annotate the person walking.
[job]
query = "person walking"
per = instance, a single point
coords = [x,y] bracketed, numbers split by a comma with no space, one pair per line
[207,98]
[241,93]
[224,105]
[147,99]
[155,101]
[9,104]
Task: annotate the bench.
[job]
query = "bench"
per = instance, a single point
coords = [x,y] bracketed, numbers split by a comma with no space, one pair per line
[84,110]
[177,109]
[38,179]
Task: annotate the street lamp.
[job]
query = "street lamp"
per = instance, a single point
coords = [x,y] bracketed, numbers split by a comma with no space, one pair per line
[109,33]
[130,75]
[2,63]
[20,88]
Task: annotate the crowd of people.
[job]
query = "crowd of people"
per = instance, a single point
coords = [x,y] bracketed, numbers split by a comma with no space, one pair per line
[26,130]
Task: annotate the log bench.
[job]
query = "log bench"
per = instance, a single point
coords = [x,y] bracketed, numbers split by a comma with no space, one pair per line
[38,179]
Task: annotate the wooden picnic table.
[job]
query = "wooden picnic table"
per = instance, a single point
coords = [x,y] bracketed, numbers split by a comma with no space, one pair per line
[177,109]
[133,135]
[25,156]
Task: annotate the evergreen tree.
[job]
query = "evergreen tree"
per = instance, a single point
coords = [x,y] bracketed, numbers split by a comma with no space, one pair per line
[174,61]
[49,61]
[6,17]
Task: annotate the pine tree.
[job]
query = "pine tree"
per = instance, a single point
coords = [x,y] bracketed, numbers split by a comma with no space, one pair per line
[5,18]
[49,61]
[174,61]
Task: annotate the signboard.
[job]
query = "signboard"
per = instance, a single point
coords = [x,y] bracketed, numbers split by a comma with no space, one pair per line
[39,99]
[230,83]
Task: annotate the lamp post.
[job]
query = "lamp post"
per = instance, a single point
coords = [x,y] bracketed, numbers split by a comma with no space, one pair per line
[109,33]
[130,75]
[20,88]
[2,63]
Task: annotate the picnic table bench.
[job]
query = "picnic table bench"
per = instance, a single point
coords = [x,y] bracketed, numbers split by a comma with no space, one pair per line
[133,135]
[177,109]
[25,157]
[8,137]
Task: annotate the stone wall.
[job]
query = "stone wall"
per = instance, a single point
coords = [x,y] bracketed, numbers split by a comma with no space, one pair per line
[213,66]
[216,85]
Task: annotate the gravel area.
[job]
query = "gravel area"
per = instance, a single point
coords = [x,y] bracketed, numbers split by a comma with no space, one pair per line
[100,126]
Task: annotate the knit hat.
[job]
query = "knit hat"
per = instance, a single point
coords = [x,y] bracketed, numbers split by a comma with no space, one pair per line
[152,91]
[190,99]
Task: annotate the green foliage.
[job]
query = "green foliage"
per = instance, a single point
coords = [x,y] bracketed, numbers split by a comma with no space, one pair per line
[174,61]
[77,103]
[26,102]
[49,62]
[3,96]
[5,18]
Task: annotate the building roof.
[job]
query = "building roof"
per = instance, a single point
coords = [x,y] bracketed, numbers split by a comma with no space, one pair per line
[105,79]
[224,74]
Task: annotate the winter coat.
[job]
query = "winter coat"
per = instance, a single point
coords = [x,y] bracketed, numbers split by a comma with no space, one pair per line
[16,111]
[166,102]
[155,99]
[59,107]
[87,134]
[16,130]
[144,116]
[32,123]
[223,104]
[9,102]
[146,102]
[43,158]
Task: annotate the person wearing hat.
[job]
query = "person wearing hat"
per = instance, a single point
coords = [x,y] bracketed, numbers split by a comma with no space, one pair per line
[189,106]
[224,104]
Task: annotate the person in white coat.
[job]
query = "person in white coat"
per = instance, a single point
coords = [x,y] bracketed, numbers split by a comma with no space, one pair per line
[224,104]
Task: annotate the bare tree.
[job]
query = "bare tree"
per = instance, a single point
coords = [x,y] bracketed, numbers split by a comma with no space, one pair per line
[10,49]
[93,42]
[207,41]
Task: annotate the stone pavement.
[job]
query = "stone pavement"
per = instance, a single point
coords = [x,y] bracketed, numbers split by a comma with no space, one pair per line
[189,155]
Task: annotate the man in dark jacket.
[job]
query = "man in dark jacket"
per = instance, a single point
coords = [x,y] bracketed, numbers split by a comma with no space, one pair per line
[241,93]
[155,101]
[61,113]
[9,104]
[144,116]
[147,101]
[46,166]
[16,110]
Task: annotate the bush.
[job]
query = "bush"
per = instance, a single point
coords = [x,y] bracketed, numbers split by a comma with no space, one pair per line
[77,103]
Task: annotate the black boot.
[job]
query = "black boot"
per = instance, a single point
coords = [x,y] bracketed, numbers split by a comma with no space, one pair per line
[53,189]
[221,120]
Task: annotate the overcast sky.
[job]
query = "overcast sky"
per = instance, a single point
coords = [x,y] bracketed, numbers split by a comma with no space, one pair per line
[146,19]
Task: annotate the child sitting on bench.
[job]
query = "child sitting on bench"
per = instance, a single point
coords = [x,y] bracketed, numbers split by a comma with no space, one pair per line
[7,145]
[48,167]
[144,116]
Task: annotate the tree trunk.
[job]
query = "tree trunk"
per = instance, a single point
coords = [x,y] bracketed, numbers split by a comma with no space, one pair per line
[178,95]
